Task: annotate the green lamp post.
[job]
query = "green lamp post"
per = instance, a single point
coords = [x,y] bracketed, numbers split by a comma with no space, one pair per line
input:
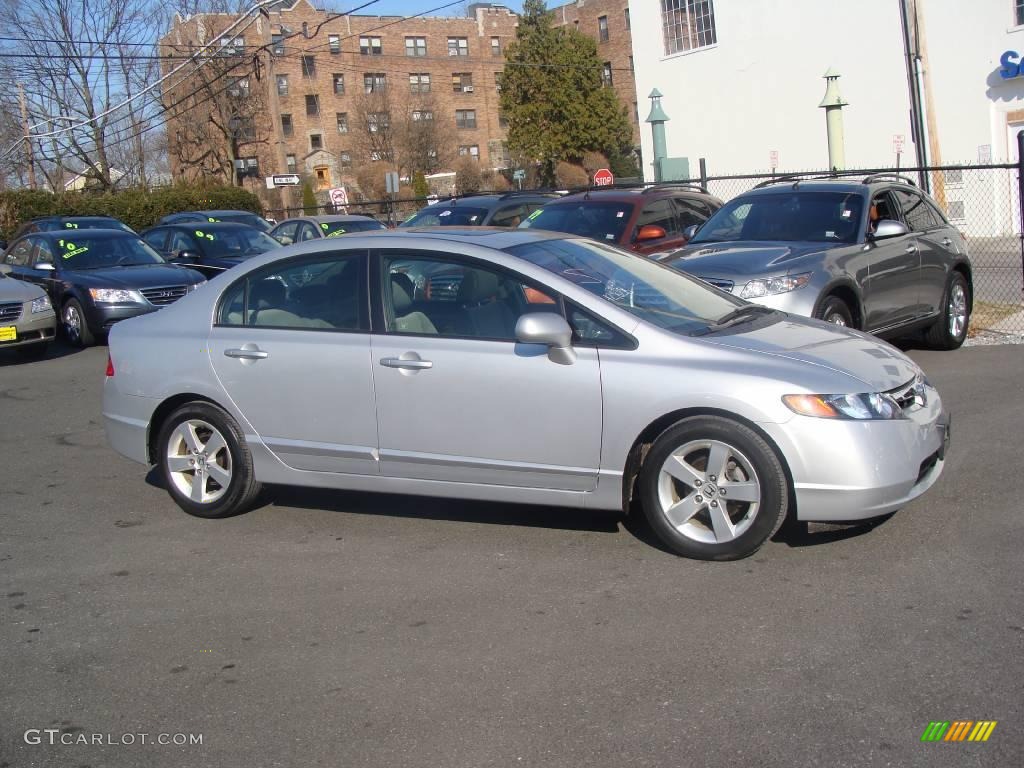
[657,118]
[833,105]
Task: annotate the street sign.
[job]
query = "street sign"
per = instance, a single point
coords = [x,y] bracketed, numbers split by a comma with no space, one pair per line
[898,142]
[518,175]
[285,180]
[984,154]
[391,183]
[339,197]
[603,178]
[773,159]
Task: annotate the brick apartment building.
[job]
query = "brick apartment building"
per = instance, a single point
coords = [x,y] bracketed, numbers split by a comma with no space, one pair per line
[306,77]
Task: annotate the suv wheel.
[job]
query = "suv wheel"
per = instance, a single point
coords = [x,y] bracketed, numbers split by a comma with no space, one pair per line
[950,330]
[834,310]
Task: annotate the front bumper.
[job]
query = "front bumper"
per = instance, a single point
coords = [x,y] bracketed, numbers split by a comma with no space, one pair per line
[102,317]
[855,470]
[37,328]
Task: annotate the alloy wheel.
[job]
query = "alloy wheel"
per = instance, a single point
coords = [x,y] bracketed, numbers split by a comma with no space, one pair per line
[199,461]
[957,310]
[73,323]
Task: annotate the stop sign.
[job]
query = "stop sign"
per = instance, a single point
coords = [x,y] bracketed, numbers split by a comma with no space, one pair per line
[603,178]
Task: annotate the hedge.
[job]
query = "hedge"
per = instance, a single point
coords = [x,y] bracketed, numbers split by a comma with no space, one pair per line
[137,208]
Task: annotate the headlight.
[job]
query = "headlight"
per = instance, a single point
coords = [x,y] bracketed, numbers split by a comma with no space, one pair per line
[115,296]
[873,405]
[196,285]
[769,286]
[42,304]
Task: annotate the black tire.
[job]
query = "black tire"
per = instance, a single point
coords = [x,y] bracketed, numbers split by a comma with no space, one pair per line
[242,488]
[833,310]
[34,351]
[761,522]
[942,335]
[77,334]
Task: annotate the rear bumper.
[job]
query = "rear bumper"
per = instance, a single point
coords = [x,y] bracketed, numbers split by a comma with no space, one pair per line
[849,470]
[126,420]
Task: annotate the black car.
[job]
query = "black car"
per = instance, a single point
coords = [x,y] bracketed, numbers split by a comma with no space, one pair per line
[98,277]
[209,248]
[63,223]
[505,210]
[212,217]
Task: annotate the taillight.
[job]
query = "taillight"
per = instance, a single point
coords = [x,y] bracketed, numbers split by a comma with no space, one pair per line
[110,366]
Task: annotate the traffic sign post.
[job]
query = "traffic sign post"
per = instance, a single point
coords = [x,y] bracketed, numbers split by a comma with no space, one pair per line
[898,140]
[773,159]
[603,178]
[518,176]
[285,180]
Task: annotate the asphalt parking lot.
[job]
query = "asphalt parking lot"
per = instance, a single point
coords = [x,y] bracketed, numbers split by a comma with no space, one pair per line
[342,629]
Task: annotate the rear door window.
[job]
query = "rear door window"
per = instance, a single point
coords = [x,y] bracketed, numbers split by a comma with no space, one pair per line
[156,239]
[691,212]
[19,254]
[660,213]
[916,212]
[44,253]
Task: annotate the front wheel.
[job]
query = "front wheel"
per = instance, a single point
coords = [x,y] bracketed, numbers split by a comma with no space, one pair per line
[75,326]
[834,310]
[713,489]
[950,330]
[204,462]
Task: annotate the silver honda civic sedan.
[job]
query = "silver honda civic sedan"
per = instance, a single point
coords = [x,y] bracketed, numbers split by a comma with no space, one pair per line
[550,370]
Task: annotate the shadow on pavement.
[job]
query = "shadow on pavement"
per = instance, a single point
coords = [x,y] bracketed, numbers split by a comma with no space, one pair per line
[802,534]
[55,350]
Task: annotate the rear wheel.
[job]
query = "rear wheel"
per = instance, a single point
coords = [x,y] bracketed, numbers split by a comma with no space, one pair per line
[834,310]
[204,462]
[713,489]
[950,330]
[75,326]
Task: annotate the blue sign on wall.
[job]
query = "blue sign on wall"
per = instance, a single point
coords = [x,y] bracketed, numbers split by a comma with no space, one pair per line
[1011,65]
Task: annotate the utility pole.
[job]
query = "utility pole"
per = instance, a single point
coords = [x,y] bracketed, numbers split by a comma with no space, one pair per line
[908,19]
[28,140]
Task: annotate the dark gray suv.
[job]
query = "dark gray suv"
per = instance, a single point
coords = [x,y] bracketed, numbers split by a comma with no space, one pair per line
[875,254]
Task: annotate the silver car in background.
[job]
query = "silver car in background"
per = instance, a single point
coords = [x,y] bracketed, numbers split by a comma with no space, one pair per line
[27,320]
[875,254]
[558,371]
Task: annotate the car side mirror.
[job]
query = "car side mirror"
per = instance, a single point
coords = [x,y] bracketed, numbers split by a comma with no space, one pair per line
[690,231]
[5,269]
[887,228]
[45,266]
[650,232]
[550,329]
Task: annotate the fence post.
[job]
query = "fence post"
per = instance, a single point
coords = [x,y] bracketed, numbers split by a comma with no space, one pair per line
[1020,199]
[704,175]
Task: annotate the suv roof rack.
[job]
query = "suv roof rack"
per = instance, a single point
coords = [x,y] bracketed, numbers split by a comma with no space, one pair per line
[522,192]
[796,178]
[671,185]
[894,176]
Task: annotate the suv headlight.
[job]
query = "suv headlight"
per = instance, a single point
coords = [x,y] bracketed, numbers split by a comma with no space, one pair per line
[42,304]
[115,296]
[861,407]
[769,286]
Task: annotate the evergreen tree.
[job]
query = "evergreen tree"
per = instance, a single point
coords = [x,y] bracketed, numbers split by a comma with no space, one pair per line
[309,204]
[553,97]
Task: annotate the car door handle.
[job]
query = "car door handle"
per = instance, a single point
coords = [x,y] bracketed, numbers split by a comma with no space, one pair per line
[247,354]
[947,242]
[408,365]
[911,249]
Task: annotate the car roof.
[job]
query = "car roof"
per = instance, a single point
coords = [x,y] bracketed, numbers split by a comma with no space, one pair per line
[59,217]
[326,219]
[92,232]
[845,184]
[492,199]
[223,211]
[498,238]
[635,194]
[211,225]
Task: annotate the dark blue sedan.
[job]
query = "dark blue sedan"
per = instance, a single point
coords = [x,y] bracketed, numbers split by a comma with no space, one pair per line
[209,248]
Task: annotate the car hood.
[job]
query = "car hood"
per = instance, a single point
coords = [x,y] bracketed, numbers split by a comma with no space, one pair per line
[15,290]
[879,365]
[745,257]
[141,276]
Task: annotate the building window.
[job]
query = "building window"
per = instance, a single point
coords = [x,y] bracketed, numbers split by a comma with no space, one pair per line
[470,150]
[626,12]
[309,66]
[378,121]
[316,141]
[345,160]
[497,81]
[422,114]
[287,127]
[602,29]
[290,163]
[631,68]
[312,105]
[376,155]
[282,85]
[247,166]
[502,120]
[415,46]
[238,87]
[465,118]
[323,177]
[277,43]
[419,82]
[458,46]
[370,46]
[342,118]
[462,82]
[339,84]
[374,82]
[334,43]
[956,207]
[955,176]
[232,46]
[606,74]
[1019,12]
[495,46]
[687,24]
[244,128]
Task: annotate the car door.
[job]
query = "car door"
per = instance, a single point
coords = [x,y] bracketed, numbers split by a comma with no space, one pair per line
[291,348]
[894,268]
[44,270]
[458,399]
[285,233]
[941,244]
[660,213]
[306,232]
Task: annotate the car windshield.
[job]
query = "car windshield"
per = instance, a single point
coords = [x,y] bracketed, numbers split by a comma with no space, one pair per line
[82,251]
[588,218]
[827,217]
[644,288]
[234,243]
[447,215]
[100,223]
[336,228]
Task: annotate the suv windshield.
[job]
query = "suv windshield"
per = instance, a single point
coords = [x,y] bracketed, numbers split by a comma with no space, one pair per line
[642,287]
[81,251]
[588,218]
[446,215]
[826,217]
[235,243]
